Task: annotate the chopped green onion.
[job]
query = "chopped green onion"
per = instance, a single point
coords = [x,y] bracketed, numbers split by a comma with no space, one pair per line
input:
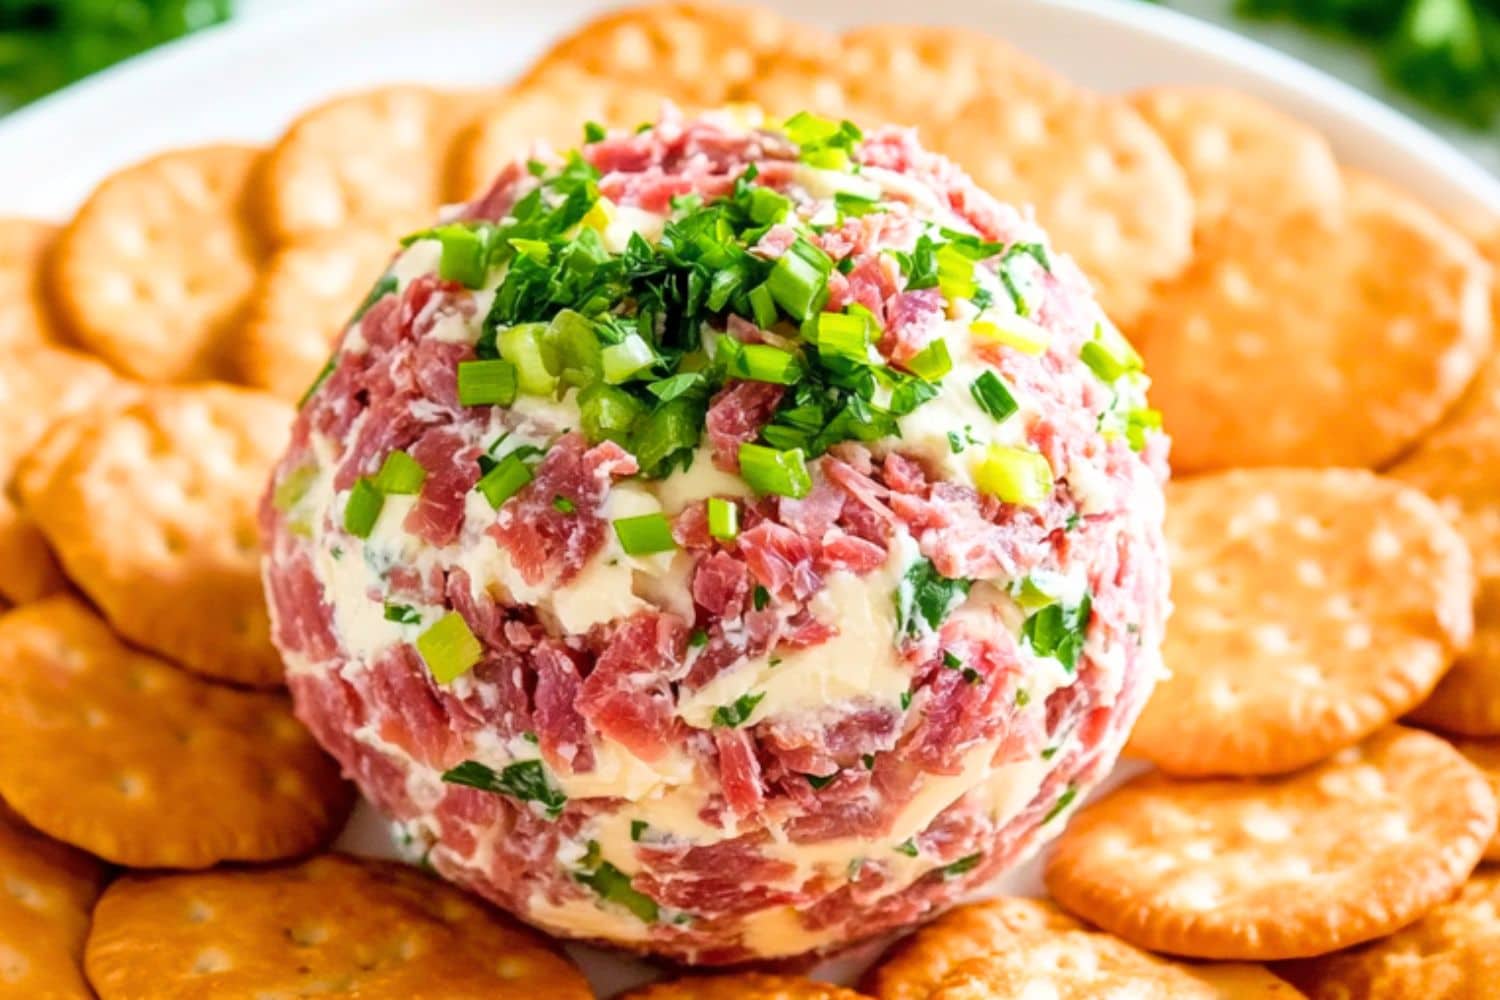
[1012,331]
[577,346]
[737,713]
[526,346]
[363,508]
[665,432]
[608,413]
[767,470]
[625,359]
[614,886]
[844,335]
[466,253]
[293,487]
[525,780]
[760,597]
[905,700]
[925,598]
[400,474]
[799,279]
[1059,631]
[767,206]
[993,397]
[402,614]
[759,362]
[1109,355]
[486,383]
[1138,423]
[762,306]
[1031,595]
[448,648]
[1063,801]
[855,204]
[908,847]
[698,639]
[645,534]
[637,829]
[951,661]
[563,505]
[504,480]
[723,518]
[593,132]
[1015,475]
[317,383]
[955,273]
[820,781]
[961,866]
[931,362]
[537,250]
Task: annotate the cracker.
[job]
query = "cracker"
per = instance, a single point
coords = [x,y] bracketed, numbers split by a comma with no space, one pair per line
[1012,940]
[152,513]
[1485,755]
[153,268]
[330,925]
[1311,607]
[24,318]
[1258,869]
[1459,466]
[1100,179]
[48,891]
[742,986]
[114,751]
[1291,341]
[373,159]
[1241,155]
[302,302]
[1453,953]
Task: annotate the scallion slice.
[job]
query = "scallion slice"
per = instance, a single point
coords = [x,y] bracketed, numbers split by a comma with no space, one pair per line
[486,383]
[645,534]
[723,518]
[1109,355]
[992,396]
[579,355]
[931,362]
[626,359]
[799,279]
[527,346]
[767,206]
[1012,331]
[400,474]
[762,306]
[504,480]
[466,254]
[608,413]
[759,362]
[955,273]
[448,648]
[363,508]
[1014,475]
[768,470]
[844,335]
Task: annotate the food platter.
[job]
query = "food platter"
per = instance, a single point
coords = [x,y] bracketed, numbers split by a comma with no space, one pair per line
[244,83]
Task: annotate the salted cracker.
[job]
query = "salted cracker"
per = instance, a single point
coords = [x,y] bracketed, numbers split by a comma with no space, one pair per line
[1311,607]
[24,317]
[48,891]
[742,986]
[330,925]
[1259,869]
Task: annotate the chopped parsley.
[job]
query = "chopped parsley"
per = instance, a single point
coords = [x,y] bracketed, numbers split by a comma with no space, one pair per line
[820,781]
[993,397]
[402,614]
[950,661]
[614,886]
[562,504]
[1059,630]
[526,780]
[761,597]
[1063,801]
[637,829]
[962,865]
[926,597]
[736,713]
[698,639]
[908,847]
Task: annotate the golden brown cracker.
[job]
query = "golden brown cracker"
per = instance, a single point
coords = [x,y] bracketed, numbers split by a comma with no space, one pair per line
[137,762]
[1452,953]
[1243,981]
[46,892]
[24,318]
[1459,466]
[1241,156]
[1071,965]
[152,513]
[374,159]
[330,925]
[1291,341]
[1485,755]
[155,265]
[1311,607]
[1101,180]
[742,986]
[302,302]
[1258,869]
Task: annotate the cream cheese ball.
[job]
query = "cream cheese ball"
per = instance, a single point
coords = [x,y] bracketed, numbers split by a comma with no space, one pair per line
[724,541]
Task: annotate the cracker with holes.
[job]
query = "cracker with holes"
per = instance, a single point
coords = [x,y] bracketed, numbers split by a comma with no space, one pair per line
[40,384]
[1275,868]
[151,511]
[46,893]
[1459,466]
[372,159]
[24,318]
[153,268]
[119,753]
[1453,953]
[1243,156]
[1312,607]
[1100,179]
[742,986]
[1355,336]
[302,301]
[1014,940]
[332,924]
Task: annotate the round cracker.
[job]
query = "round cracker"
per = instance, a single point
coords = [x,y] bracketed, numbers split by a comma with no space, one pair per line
[1485,755]
[48,891]
[1241,155]
[373,159]
[123,755]
[1453,953]
[152,513]
[1258,869]
[302,302]
[332,924]
[1071,965]
[742,986]
[155,265]
[1311,607]
[1100,179]
[24,318]
[1459,466]
[1293,341]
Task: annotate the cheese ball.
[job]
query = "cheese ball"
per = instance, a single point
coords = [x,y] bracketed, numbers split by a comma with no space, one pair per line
[724,541]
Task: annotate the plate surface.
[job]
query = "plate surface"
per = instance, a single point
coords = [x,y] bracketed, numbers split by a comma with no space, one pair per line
[245,81]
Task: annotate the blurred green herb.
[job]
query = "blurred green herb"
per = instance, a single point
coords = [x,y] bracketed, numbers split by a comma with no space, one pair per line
[47,44]
[1444,53]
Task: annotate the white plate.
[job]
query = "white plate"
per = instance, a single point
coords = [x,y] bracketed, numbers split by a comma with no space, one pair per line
[245,81]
